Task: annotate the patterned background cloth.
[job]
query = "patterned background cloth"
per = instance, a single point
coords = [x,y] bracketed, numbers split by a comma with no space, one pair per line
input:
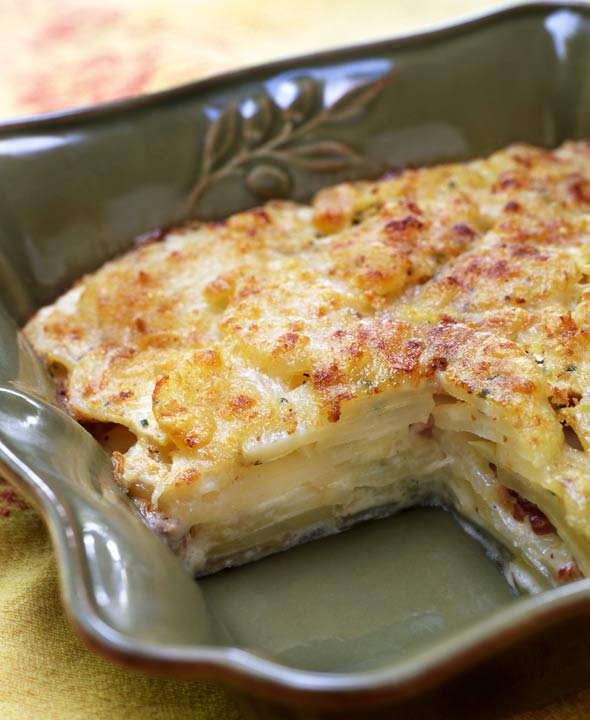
[59,54]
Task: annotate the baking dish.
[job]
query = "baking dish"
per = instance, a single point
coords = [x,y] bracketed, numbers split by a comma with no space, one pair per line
[427,626]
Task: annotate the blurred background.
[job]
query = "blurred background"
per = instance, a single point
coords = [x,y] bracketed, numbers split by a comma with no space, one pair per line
[61,54]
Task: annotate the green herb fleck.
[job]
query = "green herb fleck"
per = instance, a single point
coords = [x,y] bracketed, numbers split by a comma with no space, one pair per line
[493,377]
[258,462]
[284,400]
[572,368]
[144,422]
[483,393]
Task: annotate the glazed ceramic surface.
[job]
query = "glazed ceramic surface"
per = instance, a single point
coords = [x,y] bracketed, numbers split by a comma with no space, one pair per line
[406,615]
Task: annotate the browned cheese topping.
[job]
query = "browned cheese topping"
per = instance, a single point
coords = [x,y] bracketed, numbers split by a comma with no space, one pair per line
[225,339]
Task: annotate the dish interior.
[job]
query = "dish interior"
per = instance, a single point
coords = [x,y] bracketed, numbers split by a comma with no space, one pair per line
[363,599]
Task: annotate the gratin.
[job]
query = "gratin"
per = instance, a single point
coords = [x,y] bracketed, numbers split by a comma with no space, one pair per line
[287,372]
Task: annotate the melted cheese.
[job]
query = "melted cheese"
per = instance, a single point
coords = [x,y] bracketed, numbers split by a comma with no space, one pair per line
[294,366]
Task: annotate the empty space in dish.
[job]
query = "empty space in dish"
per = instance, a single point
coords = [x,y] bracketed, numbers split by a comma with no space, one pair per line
[370,596]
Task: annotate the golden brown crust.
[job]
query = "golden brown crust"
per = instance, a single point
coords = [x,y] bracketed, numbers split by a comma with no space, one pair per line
[469,279]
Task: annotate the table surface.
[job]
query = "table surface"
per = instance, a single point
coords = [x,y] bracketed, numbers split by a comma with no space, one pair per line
[69,53]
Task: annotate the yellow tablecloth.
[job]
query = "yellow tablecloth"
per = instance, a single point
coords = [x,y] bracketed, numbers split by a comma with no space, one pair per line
[67,53]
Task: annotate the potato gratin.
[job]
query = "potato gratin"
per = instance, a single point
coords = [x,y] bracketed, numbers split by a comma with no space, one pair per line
[282,374]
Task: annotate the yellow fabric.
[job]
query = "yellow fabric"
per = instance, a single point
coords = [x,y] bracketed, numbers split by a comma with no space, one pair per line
[72,52]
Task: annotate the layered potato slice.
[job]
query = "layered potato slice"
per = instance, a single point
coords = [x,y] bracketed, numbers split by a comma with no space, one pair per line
[280,375]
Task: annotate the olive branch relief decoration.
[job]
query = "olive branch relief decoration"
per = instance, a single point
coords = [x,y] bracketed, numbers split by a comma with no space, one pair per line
[259,140]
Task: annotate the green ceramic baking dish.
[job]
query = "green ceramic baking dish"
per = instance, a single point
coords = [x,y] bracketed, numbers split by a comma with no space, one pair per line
[405,617]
